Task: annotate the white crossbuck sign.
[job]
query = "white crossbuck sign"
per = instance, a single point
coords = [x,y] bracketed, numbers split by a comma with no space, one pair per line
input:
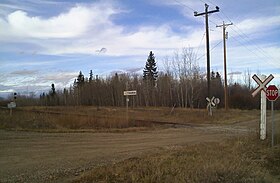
[210,101]
[262,88]
[262,85]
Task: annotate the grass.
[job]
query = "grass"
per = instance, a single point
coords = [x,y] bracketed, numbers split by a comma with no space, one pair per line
[27,119]
[91,118]
[237,160]
[105,117]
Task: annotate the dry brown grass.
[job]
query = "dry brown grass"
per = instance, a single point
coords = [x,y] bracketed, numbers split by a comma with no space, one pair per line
[88,117]
[52,118]
[200,116]
[238,160]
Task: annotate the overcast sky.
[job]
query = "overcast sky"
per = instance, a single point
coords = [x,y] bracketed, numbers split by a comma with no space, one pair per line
[50,41]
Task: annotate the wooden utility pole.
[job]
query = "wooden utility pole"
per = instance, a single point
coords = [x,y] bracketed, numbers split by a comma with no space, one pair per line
[207,42]
[225,63]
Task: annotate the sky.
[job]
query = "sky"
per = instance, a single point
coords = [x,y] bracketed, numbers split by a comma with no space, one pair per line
[50,41]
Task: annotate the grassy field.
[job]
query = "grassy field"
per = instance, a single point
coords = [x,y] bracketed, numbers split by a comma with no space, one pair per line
[94,118]
[89,118]
[235,160]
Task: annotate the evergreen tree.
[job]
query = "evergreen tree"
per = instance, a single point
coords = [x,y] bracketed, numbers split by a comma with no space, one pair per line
[75,83]
[217,86]
[218,76]
[81,78]
[53,90]
[150,72]
[213,76]
[51,98]
[90,76]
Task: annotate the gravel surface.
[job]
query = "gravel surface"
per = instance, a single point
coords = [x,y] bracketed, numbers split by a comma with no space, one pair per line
[60,157]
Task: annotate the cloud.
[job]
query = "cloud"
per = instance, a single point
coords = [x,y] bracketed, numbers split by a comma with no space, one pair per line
[6,91]
[235,73]
[133,70]
[68,24]
[24,81]
[83,29]
[36,78]
[24,72]
[6,8]
[60,78]
[186,8]
[256,25]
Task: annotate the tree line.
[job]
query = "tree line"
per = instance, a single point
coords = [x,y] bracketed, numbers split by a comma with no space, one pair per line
[182,84]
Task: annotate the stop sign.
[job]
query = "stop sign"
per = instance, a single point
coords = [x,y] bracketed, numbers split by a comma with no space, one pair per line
[272,93]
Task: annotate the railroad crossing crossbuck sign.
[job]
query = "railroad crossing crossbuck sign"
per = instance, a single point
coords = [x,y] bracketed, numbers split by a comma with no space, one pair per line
[262,85]
[212,103]
[262,88]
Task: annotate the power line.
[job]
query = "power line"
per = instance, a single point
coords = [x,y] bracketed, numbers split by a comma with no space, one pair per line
[184,5]
[220,11]
[210,50]
[226,16]
[239,33]
[253,52]
[200,43]
[206,13]
[260,50]
[209,2]
[245,37]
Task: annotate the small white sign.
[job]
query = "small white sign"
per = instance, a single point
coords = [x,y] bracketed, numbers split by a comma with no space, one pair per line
[132,92]
[216,101]
[12,105]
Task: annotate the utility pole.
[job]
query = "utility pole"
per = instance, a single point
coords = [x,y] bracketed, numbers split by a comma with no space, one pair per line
[207,42]
[225,62]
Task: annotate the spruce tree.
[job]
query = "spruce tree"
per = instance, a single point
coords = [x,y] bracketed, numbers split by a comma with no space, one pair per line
[150,72]
[90,76]
[53,90]
[81,78]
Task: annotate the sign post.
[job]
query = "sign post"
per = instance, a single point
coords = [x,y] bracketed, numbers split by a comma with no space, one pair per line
[11,105]
[272,95]
[262,88]
[263,112]
[128,93]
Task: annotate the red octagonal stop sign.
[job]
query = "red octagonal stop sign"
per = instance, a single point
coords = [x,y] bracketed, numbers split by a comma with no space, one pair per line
[272,93]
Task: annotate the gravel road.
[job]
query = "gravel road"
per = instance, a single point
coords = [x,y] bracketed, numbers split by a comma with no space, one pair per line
[59,157]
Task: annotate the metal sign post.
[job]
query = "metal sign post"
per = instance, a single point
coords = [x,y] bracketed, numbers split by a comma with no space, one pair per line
[272,124]
[262,88]
[272,95]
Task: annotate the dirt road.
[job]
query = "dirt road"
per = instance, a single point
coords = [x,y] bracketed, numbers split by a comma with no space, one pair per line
[58,157]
